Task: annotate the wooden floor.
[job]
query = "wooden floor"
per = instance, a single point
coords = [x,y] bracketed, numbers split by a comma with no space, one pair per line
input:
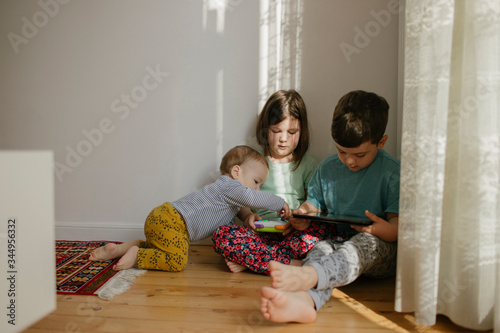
[206,297]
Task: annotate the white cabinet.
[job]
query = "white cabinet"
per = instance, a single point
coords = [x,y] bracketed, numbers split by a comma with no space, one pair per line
[27,245]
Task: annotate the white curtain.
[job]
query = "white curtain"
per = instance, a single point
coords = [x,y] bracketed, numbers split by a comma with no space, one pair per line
[449,238]
[280,48]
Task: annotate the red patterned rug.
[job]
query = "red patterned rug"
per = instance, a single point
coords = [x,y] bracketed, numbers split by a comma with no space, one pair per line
[75,274]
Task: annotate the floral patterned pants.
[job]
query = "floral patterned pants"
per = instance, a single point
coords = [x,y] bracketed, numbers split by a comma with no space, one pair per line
[254,250]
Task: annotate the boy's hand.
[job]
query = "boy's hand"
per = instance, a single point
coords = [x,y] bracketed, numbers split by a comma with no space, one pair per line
[386,231]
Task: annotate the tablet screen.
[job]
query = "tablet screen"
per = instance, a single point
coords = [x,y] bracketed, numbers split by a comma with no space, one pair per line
[334,218]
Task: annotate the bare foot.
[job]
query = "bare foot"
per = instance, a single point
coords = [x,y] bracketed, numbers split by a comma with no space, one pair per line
[106,252]
[234,267]
[112,250]
[128,260]
[292,278]
[284,306]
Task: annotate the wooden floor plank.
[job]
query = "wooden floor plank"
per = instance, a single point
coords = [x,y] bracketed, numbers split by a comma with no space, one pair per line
[206,297]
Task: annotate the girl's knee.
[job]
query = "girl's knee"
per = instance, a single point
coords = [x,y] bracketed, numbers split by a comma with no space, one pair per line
[226,231]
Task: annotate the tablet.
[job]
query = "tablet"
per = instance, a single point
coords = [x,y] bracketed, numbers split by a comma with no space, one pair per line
[334,218]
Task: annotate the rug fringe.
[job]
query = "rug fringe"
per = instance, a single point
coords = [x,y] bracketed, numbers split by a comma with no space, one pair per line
[119,283]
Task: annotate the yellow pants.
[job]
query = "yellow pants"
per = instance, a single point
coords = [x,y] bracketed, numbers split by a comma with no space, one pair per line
[167,241]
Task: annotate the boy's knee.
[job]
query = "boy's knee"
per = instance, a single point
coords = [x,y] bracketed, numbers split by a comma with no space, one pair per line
[322,248]
[377,257]
[364,242]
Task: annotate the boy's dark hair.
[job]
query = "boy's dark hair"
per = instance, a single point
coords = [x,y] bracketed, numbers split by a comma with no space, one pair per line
[359,117]
[239,155]
[281,104]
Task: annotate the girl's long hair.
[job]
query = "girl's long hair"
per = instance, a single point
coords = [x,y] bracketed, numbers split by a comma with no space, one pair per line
[281,104]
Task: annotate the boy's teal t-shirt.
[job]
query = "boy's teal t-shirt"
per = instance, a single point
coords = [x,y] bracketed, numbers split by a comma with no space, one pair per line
[288,184]
[334,188]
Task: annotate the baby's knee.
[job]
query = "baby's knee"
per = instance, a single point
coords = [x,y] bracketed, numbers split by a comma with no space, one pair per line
[178,263]
[179,268]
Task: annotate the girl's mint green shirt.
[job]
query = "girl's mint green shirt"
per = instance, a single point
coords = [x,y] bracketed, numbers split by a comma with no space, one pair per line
[288,184]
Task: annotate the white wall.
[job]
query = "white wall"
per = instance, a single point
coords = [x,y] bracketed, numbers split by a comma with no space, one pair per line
[77,77]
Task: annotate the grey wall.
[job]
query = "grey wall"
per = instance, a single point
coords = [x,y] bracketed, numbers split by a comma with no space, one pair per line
[139,100]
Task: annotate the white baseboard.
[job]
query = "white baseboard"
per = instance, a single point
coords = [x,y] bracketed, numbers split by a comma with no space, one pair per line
[91,231]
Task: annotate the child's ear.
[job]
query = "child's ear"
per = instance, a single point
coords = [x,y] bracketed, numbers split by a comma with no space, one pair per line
[235,171]
[382,142]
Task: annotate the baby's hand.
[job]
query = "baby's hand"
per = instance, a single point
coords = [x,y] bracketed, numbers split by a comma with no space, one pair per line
[250,220]
[285,212]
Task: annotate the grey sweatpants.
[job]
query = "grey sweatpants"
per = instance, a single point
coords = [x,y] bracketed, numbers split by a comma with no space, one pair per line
[339,264]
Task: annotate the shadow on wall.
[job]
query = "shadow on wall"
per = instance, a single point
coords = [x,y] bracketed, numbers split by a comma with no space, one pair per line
[280,45]
[280,57]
